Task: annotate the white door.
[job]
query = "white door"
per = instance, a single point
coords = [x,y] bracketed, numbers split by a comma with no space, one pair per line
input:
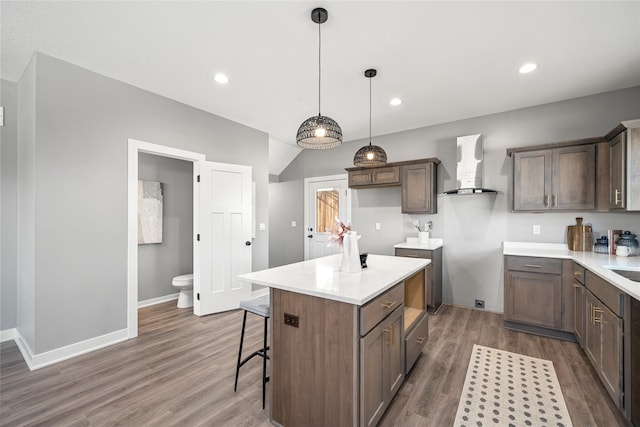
[326,198]
[224,233]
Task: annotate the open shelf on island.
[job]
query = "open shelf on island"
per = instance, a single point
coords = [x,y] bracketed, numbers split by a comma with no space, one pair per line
[414,299]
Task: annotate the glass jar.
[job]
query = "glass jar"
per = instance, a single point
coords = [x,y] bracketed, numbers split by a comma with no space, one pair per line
[602,245]
[629,240]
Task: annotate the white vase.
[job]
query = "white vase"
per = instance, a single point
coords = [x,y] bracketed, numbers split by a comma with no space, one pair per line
[351,253]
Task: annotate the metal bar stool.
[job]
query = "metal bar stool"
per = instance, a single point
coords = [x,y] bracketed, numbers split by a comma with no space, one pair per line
[261,307]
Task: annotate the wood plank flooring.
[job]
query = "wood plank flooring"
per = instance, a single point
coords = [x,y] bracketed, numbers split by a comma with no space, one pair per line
[180,372]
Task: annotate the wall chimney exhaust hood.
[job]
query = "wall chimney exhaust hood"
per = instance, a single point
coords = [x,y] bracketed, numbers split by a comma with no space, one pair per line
[470,166]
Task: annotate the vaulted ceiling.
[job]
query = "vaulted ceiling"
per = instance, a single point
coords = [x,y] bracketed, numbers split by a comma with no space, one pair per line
[447,60]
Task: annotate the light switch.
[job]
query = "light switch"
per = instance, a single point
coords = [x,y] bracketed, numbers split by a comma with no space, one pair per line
[293,224]
[377,226]
[262,226]
[536,229]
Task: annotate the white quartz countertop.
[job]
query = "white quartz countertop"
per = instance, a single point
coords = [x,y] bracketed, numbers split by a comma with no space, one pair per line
[321,277]
[414,243]
[600,264]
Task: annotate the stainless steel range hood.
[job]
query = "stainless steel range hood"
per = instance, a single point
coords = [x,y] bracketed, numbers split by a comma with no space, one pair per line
[470,166]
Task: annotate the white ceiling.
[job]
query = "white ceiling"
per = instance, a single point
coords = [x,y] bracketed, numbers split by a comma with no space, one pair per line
[447,60]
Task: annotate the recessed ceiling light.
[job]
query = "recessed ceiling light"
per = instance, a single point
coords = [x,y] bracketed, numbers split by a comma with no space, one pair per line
[221,78]
[527,68]
[395,101]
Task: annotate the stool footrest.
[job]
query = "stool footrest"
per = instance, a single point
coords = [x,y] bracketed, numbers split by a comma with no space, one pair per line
[254,354]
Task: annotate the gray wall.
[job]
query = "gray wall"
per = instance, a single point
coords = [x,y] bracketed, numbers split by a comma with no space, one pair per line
[82,121]
[159,263]
[473,227]
[8,201]
[285,246]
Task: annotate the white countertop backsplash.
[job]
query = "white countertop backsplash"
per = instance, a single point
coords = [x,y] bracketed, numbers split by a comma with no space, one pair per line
[321,277]
[599,264]
[414,243]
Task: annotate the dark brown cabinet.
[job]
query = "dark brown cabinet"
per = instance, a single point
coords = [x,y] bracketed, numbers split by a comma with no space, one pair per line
[434,279]
[539,296]
[617,172]
[603,306]
[578,297]
[560,178]
[419,188]
[382,367]
[624,166]
[376,177]
[417,179]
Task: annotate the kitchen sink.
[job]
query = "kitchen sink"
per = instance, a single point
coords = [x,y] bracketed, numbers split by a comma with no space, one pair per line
[629,274]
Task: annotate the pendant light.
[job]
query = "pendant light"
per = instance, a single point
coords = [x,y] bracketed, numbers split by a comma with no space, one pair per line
[319,132]
[370,155]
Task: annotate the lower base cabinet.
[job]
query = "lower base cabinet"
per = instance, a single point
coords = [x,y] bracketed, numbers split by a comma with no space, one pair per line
[603,337]
[381,367]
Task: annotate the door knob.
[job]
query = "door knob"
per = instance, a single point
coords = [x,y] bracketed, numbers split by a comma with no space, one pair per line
[248,243]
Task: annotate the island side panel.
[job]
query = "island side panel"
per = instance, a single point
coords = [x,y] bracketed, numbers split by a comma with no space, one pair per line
[314,367]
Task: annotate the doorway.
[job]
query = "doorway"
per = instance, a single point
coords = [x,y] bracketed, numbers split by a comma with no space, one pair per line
[134,148]
[325,199]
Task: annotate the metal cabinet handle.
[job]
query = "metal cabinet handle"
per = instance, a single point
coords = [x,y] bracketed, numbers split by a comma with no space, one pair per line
[575,273]
[555,201]
[389,304]
[546,200]
[420,340]
[616,200]
[388,331]
[577,285]
[533,265]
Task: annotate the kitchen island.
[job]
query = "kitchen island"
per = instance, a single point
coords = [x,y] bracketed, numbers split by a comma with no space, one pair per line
[341,343]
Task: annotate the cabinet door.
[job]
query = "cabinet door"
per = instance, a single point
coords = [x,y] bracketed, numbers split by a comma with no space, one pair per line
[591,336]
[360,178]
[533,298]
[372,384]
[532,180]
[419,188]
[578,304]
[617,172]
[611,342]
[394,363]
[386,176]
[574,177]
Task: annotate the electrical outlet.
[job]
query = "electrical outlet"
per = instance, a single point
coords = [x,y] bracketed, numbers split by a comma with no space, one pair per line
[294,224]
[536,229]
[479,303]
[291,320]
[378,226]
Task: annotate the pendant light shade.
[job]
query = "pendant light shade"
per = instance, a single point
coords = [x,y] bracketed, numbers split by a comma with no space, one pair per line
[319,132]
[370,155]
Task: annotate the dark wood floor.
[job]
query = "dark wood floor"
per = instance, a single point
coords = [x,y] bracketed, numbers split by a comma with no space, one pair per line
[180,371]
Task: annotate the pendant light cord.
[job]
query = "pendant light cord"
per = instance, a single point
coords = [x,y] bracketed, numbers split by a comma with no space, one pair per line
[370,110]
[319,67]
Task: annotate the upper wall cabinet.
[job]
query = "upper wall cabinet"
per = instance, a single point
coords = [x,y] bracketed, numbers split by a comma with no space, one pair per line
[556,177]
[416,177]
[419,188]
[624,166]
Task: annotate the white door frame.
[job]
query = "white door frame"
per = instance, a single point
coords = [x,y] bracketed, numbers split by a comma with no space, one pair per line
[134,148]
[308,181]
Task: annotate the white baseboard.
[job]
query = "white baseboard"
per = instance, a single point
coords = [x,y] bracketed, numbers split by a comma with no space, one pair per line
[37,361]
[8,334]
[154,301]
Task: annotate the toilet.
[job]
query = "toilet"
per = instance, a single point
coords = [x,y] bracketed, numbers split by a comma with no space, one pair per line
[184,283]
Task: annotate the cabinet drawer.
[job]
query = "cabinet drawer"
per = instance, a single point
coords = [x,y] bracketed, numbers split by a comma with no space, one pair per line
[380,307]
[413,253]
[415,341]
[578,272]
[534,265]
[360,178]
[605,292]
